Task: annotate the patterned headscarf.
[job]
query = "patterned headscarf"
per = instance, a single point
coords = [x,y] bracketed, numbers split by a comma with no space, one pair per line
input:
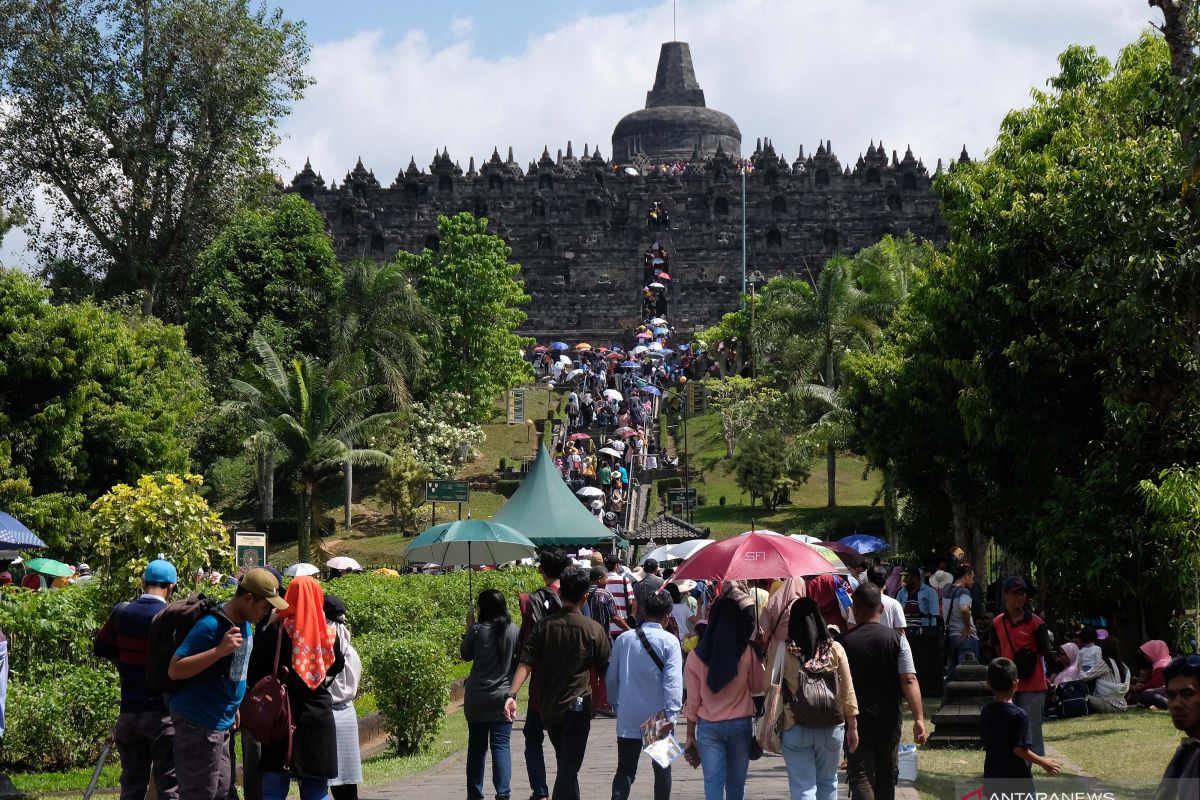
[312,636]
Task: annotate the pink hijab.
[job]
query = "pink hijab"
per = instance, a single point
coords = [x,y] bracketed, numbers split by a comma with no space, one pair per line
[773,624]
[1072,671]
[1157,653]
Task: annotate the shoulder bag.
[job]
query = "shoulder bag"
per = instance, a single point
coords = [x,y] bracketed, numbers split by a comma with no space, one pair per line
[266,711]
[1025,659]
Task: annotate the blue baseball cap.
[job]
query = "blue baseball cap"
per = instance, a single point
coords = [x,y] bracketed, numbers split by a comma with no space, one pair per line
[160,571]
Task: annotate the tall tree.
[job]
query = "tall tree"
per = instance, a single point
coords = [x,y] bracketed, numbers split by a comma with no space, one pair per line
[472,289]
[88,396]
[802,333]
[271,270]
[313,414]
[145,120]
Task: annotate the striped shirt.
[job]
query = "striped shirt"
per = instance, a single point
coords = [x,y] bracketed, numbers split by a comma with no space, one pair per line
[621,588]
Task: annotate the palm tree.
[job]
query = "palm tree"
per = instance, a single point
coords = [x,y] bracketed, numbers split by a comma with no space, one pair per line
[312,414]
[802,332]
[380,315]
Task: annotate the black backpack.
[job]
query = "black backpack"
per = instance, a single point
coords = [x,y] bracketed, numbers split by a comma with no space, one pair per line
[168,629]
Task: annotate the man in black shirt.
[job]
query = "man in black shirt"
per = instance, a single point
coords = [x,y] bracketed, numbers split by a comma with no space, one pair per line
[540,605]
[573,645]
[881,666]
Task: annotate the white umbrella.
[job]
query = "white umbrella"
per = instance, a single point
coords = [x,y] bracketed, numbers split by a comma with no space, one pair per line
[296,570]
[656,346]
[657,285]
[658,321]
[641,348]
[631,171]
[804,537]
[660,554]
[564,359]
[608,451]
[688,549]
[343,562]
[591,491]
[574,373]
[614,394]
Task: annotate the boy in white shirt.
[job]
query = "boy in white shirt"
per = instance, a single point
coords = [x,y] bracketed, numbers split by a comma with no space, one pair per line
[1089,649]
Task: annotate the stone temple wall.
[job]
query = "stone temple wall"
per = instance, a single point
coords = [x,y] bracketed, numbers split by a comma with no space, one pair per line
[578,226]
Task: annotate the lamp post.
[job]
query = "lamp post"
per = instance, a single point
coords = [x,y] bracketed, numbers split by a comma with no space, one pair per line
[755,278]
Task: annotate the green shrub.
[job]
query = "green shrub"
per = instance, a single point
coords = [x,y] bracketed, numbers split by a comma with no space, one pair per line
[411,678]
[48,627]
[507,488]
[662,484]
[59,718]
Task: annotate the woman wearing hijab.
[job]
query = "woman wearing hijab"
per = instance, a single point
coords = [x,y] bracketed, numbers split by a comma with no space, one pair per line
[1149,691]
[723,678]
[1070,657]
[488,644]
[342,691]
[1111,679]
[308,647]
[812,748]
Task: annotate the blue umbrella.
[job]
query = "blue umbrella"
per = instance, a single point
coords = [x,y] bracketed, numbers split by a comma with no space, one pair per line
[559,346]
[14,534]
[651,390]
[661,331]
[862,543]
[666,351]
[630,364]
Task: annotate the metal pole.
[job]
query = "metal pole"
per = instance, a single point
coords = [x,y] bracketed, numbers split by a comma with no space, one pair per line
[687,475]
[743,236]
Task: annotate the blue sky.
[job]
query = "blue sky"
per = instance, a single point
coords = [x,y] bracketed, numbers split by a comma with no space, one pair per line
[396,80]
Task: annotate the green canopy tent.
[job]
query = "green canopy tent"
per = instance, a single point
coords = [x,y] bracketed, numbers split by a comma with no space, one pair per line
[547,512]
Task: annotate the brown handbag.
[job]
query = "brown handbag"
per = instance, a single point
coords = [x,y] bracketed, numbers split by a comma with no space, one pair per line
[266,711]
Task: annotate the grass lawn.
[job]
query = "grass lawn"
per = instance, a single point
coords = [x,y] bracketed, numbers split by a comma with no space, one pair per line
[451,738]
[807,512]
[1128,750]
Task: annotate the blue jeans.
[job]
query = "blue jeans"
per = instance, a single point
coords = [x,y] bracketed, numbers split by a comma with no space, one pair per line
[957,649]
[275,786]
[478,735]
[724,748]
[812,756]
[535,757]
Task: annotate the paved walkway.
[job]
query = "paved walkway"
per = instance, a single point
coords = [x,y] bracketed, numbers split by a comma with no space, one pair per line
[446,781]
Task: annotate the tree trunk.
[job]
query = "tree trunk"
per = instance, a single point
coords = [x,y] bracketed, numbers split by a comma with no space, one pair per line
[349,492]
[831,474]
[304,533]
[266,486]
[830,453]
[889,509]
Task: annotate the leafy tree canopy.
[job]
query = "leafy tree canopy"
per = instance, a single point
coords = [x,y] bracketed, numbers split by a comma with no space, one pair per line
[270,270]
[146,122]
[472,289]
[131,525]
[88,396]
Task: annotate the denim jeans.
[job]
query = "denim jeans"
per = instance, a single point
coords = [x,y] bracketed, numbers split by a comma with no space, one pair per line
[956,651]
[629,751]
[812,756]
[535,756]
[724,748]
[275,786]
[569,735]
[478,736]
[1034,704]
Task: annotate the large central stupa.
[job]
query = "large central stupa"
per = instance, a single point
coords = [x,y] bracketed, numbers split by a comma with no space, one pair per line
[675,122]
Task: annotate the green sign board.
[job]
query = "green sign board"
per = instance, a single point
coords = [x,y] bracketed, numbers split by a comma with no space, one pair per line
[447,492]
[516,407]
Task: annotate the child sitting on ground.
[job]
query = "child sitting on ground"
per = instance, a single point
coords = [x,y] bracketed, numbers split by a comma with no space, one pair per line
[1006,738]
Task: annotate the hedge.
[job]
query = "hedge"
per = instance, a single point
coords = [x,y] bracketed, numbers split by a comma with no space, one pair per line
[59,718]
[411,680]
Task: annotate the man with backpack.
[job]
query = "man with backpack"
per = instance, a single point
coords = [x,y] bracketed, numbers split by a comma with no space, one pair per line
[144,733]
[601,607]
[536,607]
[212,662]
[957,603]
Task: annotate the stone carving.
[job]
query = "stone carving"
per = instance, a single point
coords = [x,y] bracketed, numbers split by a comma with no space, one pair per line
[590,211]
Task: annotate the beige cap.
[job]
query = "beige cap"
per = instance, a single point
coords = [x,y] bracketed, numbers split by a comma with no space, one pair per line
[264,586]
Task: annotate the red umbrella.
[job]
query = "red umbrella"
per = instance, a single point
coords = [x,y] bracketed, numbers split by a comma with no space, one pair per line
[615,356]
[624,431]
[753,555]
[541,348]
[575,437]
[627,434]
[664,276]
[849,556]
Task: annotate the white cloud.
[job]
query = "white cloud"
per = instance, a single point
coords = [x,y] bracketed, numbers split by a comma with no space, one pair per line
[937,74]
[462,27]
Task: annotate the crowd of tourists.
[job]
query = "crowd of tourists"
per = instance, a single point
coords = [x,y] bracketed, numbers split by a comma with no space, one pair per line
[645,648]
